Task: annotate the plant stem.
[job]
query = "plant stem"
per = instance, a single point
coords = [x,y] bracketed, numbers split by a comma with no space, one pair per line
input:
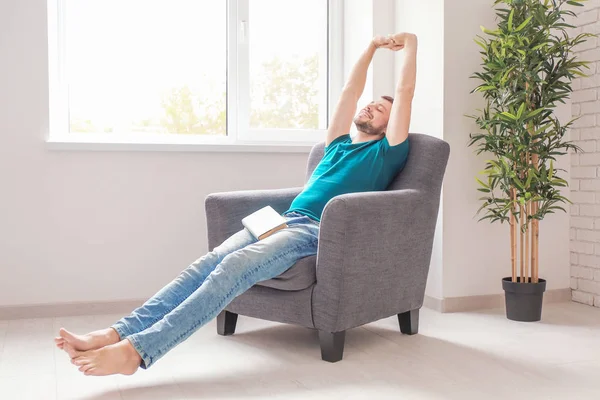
[537,248]
[534,222]
[521,213]
[534,245]
[513,235]
[527,230]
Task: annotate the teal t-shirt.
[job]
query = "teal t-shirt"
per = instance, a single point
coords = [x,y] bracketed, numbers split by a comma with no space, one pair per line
[349,167]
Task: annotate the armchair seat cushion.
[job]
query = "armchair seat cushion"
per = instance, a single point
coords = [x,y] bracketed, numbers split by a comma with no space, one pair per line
[301,275]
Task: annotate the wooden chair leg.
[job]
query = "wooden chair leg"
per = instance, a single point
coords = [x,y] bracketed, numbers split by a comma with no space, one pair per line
[332,345]
[409,322]
[226,323]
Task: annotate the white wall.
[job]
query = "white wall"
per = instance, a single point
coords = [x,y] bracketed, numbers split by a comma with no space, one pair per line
[426,20]
[477,254]
[384,67]
[428,105]
[362,21]
[98,226]
[585,182]
[356,40]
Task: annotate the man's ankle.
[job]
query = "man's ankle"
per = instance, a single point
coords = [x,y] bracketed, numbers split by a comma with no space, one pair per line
[113,335]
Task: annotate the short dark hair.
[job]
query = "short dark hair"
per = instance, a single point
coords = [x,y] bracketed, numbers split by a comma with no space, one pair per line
[388,98]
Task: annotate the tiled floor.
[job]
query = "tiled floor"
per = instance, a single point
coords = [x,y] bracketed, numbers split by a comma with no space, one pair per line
[455,356]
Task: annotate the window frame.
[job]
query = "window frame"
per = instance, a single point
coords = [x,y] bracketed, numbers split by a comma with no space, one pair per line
[239,136]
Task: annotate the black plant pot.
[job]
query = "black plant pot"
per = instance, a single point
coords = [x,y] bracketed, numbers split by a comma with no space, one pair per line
[523,300]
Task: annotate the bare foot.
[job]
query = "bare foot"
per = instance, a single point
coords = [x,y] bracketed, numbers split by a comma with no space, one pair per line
[89,341]
[119,358]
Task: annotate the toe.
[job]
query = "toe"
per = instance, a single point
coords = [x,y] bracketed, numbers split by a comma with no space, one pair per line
[80,361]
[66,335]
[86,367]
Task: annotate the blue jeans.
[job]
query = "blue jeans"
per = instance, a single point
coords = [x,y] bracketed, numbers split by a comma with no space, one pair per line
[209,284]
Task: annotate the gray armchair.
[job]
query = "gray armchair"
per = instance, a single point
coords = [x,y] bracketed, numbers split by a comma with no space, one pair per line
[373,254]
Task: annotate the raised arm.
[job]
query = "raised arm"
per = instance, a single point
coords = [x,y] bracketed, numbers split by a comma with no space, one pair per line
[399,123]
[346,108]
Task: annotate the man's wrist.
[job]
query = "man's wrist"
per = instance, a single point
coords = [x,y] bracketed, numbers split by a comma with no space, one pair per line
[411,40]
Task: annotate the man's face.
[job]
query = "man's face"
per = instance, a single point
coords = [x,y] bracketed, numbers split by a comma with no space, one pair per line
[373,118]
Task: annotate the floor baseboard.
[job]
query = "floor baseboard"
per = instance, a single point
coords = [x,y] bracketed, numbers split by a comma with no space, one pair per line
[472,303]
[447,305]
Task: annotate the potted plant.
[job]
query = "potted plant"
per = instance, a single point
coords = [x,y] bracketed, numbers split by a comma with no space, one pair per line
[527,69]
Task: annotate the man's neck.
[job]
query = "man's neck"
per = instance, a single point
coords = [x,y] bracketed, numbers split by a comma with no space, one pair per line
[365,137]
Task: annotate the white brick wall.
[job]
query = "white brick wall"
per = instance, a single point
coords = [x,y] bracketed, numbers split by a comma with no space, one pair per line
[585,166]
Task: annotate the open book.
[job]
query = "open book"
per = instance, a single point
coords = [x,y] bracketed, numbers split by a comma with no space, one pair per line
[264,222]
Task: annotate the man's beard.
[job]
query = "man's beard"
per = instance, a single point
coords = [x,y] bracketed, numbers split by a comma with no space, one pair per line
[368,128]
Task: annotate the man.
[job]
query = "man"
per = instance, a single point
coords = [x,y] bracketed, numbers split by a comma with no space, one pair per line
[366,162]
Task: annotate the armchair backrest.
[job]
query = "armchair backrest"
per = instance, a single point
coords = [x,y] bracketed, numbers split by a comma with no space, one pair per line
[424,168]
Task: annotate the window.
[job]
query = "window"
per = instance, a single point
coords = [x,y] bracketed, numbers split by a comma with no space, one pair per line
[288,85]
[232,71]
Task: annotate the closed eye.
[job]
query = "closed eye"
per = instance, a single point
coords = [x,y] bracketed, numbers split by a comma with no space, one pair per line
[379,108]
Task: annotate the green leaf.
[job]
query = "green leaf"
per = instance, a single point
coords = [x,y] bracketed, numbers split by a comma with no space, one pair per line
[483,88]
[481,183]
[524,24]
[563,25]
[558,181]
[534,113]
[493,33]
[557,208]
[551,172]
[483,46]
[494,46]
[529,178]
[574,3]
[520,112]
[519,183]
[508,115]
[505,77]
[543,128]
[510,20]
[539,46]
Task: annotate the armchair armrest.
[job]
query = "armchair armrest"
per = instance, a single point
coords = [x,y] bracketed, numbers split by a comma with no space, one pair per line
[373,257]
[225,210]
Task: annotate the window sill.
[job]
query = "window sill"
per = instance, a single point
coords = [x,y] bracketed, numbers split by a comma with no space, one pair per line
[174,144]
